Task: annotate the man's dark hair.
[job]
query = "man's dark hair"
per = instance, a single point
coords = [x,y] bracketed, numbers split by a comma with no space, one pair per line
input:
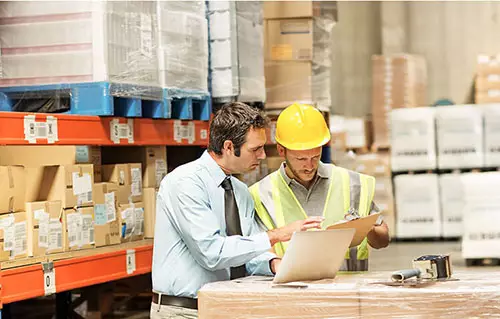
[232,122]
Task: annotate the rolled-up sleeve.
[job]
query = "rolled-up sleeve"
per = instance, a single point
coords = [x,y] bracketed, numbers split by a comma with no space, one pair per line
[200,229]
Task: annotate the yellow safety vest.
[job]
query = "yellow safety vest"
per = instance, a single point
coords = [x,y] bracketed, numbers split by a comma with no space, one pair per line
[348,191]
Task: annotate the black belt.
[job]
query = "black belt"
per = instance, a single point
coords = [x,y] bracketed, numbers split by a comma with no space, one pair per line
[167,300]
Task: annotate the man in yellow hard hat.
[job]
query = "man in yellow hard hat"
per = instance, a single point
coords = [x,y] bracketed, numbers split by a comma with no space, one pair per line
[304,186]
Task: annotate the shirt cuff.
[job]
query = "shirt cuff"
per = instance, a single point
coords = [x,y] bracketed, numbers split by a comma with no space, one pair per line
[262,241]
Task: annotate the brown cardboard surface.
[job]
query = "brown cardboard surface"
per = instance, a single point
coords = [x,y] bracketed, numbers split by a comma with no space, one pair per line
[13,236]
[76,237]
[131,220]
[106,224]
[374,164]
[490,96]
[149,212]
[289,39]
[397,81]
[45,228]
[274,163]
[13,188]
[50,155]
[299,9]
[128,177]
[288,83]
[152,158]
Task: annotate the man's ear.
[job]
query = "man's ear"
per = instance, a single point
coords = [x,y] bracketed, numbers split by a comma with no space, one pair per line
[281,150]
[228,147]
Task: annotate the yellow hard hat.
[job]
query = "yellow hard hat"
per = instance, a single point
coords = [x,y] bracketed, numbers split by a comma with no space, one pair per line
[301,127]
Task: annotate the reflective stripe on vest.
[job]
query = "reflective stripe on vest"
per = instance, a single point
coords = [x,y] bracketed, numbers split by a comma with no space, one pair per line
[347,191]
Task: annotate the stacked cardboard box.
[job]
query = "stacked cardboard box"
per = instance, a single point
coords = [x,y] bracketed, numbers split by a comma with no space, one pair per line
[297,52]
[357,131]
[488,79]
[397,81]
[418,209]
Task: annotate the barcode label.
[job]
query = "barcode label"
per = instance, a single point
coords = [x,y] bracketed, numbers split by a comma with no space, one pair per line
[92,241]
[139,221]
[84,198]
[9,238]
[184,132]
[43,229]
[160,171]
[40,130]
[74,224]
[203,134]
[109,200]
[20,241]
[87,232]
[136,181]
[55,234]
[122,131]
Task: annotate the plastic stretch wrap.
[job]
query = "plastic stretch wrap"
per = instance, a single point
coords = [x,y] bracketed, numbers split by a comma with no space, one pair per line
[474,295]
[236,50]
[183,44]
[302,79]
[82,41]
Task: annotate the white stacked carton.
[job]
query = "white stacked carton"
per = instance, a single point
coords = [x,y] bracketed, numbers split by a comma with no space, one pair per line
[491,114]
[413,141]
[452,204]
[459,136]
[481,238]
[236,50]
[417,201]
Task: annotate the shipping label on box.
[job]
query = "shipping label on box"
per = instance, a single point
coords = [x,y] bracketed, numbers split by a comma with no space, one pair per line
[13,188]
[79,227]
[13,236]
[128,177]
[107,230]
[131,217]
[45,228]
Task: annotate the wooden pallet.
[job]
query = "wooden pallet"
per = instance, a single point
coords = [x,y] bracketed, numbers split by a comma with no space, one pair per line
[485,262]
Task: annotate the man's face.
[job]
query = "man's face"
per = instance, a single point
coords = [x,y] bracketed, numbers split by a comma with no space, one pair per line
[303,164]
[251,152]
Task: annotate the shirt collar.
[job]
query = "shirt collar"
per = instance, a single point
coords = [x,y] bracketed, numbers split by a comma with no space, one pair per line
[213,168]
[322,172]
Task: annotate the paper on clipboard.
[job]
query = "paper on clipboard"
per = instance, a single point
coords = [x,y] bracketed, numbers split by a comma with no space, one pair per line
[362,225]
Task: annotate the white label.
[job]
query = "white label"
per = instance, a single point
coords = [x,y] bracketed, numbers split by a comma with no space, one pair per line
[494,93]
[273,132]
[74,224]
[128,218]
[160,171]
[203,134]
[82,184]
[84,198]
[9,237]
[494,78]
[379,169]
[55,234]
[43,228]
[40,130]
[87,230]
[139,221]
[122,131]
[146,36]
[21,240]
[130,261]
[136,181]
[109,201]
[184,132]
[49,282]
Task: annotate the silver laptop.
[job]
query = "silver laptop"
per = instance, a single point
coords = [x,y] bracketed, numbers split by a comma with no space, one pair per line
[314,255]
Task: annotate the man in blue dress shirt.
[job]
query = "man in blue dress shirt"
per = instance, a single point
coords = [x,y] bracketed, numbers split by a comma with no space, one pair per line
[205,226]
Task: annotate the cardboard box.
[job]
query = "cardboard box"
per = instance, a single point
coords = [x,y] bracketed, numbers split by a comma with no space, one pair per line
[374,164]
[413,142]
[300,9]
[72,184]
[398,81]
[49,155]
[13,236]
[152,158]
[453,203]
[79,228]
[106,224]
[418,208]
[128,177]
[459,136]
[289,39]
[131,219]
[357,130]
[45,228]
[487,82]
[149,211]
[12,189]
[488,64]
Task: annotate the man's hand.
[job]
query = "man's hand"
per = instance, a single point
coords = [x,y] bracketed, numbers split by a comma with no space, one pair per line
[378,237]
[275,263]
[285,233]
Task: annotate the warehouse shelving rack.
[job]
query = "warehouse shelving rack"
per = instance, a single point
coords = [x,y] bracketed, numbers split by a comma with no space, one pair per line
[60,273]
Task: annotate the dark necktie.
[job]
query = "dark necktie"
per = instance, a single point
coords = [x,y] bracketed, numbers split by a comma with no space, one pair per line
[233,225]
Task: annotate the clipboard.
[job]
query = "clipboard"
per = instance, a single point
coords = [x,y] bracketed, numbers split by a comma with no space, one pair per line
[362,225]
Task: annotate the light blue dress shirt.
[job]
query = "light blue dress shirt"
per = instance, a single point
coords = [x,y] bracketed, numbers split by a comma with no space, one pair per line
[190,243]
